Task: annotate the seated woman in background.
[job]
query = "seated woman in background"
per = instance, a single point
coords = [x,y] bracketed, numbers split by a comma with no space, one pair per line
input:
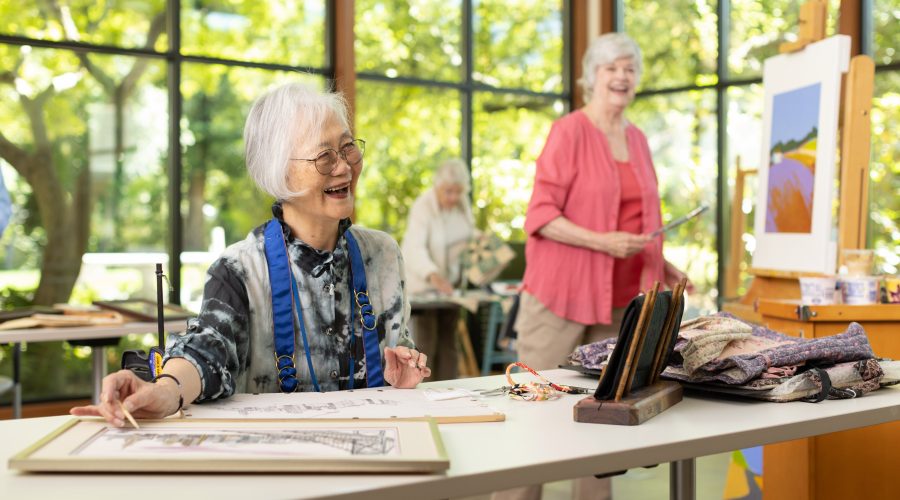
[439,227]
[288,286]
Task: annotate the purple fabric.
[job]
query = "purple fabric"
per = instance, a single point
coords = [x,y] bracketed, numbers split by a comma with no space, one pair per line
[852,345]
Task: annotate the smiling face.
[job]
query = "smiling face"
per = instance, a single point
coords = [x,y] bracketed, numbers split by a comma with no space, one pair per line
[615,83]
[331,196]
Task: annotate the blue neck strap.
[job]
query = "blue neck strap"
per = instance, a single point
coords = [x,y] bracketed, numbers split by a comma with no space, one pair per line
[286,304]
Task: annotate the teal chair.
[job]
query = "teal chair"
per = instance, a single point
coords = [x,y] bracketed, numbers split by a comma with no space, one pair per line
[492,354]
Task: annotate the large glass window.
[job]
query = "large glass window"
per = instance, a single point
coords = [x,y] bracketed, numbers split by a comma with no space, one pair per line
[118,23]
[681,130]
[495,118]
[677,39]
[285,32]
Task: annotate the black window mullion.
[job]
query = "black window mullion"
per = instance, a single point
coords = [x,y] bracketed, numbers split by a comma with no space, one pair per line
[723,22]
[173,84]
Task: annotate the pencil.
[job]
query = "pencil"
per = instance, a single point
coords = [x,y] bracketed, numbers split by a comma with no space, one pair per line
[128,416]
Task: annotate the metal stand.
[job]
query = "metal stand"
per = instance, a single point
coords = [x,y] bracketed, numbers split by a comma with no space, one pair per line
[17,383]
[98,357]
[681,479]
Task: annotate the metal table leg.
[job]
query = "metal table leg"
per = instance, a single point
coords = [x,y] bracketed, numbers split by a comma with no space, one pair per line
[681,479]
[17,382]
[98,356]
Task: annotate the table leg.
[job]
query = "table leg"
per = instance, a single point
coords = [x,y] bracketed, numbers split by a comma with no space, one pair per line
[98,356]
[17,381]
[681,479]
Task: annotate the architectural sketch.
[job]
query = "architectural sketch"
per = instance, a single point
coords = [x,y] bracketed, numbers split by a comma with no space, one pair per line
[367,404]
[306,410]
[317,442]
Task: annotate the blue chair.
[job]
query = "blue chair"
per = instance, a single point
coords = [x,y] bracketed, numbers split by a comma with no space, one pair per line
[492,354]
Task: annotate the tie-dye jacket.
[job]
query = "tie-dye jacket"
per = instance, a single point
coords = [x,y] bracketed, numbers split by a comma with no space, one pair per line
[231,341]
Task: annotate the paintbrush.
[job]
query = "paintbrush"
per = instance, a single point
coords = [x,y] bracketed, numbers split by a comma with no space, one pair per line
[128,416]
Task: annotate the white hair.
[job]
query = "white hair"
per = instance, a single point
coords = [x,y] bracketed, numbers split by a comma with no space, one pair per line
[277,119]
[605,49]
[453,171]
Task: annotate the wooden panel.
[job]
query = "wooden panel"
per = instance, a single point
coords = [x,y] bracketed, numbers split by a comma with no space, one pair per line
[343,56]
[787,470]
[862,463]
[579,26]
[855,145]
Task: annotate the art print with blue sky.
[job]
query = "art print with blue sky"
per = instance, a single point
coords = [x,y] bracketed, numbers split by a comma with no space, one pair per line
[792,160]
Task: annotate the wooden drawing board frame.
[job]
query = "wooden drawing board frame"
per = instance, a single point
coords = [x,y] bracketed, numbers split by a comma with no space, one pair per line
[420,449]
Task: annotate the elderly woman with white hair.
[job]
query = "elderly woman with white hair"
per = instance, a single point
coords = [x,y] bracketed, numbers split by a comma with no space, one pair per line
[594,205]
[308,301]
[439,227]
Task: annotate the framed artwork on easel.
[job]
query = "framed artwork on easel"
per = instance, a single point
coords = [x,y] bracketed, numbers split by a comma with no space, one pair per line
[796,197]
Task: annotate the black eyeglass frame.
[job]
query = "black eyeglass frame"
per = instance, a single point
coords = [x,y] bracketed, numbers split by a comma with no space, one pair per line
[360,144]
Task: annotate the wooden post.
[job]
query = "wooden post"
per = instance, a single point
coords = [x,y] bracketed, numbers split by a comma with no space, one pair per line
[855,149]
[813,14]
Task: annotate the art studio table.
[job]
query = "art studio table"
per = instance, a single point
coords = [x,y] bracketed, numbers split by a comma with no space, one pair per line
[94,336]
[539,442]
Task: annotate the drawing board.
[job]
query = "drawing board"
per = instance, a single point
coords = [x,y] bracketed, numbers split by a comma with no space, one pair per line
[444,405]
[174,445]
[794,225]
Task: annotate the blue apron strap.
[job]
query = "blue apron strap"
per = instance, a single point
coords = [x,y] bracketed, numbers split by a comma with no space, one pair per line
[280,280]
[367,318]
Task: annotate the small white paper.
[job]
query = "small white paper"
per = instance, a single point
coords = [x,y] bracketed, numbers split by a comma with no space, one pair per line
[449,393]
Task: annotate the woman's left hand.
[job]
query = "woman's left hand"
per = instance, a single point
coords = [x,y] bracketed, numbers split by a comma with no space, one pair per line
[672,275]
[404,367]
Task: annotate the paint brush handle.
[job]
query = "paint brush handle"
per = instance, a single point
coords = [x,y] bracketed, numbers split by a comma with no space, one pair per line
[681,220]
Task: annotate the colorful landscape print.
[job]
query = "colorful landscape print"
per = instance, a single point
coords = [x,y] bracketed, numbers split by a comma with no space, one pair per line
[792,160]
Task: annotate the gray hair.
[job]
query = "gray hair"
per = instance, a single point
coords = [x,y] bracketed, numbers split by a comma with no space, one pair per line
[453,171]
[276,120]
[605,49]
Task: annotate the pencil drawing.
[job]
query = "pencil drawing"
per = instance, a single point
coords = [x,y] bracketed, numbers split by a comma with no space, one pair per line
[300,442]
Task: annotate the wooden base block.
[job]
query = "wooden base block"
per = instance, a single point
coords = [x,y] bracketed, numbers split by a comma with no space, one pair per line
[638,407]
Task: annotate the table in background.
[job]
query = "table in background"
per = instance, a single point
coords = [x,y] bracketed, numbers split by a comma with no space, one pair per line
[96,337]
[820,467]
[538,443]
[471,300]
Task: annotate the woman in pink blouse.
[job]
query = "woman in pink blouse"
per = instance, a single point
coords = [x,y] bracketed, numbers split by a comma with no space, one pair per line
[594,203]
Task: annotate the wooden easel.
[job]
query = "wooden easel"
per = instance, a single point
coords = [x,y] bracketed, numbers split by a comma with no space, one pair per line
[857,91]
[634,407]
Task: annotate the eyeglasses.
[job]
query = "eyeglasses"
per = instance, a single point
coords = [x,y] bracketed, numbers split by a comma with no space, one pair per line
[327,160]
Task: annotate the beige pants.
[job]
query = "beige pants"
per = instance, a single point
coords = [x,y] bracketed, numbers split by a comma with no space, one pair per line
[544,342]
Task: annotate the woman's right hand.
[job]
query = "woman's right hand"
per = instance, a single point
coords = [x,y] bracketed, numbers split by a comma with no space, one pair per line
[620,244]
[440,284]
[142,399]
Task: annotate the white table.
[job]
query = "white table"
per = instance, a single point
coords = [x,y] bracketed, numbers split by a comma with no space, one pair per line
[75,333]
[538,443]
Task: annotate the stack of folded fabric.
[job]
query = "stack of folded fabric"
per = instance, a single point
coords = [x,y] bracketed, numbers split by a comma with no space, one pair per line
[724,354]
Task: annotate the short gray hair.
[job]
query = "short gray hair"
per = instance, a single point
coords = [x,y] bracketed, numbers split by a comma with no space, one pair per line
[453,171]
[605,49]
[276,119]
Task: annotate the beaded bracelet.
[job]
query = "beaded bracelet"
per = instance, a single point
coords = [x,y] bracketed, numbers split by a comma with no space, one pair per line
[177,383]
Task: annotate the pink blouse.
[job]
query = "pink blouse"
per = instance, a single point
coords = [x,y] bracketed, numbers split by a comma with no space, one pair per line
[577,178]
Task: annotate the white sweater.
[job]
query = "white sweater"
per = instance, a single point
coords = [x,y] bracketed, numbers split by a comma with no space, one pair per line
[434,241]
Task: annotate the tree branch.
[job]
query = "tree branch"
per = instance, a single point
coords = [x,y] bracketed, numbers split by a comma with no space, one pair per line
[14,155]
[157,28]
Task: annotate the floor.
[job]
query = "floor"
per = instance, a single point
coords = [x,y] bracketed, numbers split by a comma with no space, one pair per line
[651,484]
